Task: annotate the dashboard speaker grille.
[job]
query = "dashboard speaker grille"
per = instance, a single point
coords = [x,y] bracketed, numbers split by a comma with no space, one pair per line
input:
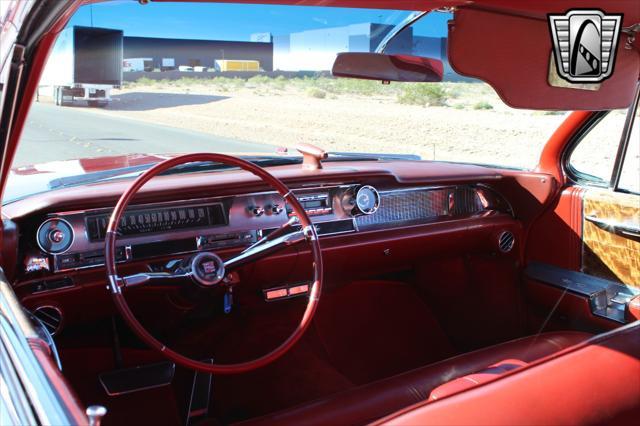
[416,206]
[406,206]
[506,241]
[50,317]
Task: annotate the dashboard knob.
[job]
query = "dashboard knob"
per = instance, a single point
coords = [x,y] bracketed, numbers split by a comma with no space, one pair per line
[56,236]
[256,210]
[276,209]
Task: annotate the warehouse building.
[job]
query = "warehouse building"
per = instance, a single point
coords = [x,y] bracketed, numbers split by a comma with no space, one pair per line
[315,50]
[167,53]
[311,50]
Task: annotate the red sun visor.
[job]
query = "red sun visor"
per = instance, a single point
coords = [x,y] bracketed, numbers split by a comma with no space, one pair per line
[514,54]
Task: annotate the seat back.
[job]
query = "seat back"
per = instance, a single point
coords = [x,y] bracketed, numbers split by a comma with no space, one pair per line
[595,382]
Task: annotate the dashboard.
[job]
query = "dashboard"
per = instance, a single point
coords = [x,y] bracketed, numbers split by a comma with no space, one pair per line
[72,240]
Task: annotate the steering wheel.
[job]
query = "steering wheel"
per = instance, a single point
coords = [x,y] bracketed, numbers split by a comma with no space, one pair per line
[208,270]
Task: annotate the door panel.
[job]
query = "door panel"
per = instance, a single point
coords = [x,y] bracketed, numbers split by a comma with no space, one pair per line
[609,247]
[556,235]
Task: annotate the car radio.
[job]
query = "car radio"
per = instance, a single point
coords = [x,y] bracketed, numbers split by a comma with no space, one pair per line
[314,204]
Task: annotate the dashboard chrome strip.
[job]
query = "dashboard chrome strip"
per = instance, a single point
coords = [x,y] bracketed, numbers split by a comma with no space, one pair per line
[240,218]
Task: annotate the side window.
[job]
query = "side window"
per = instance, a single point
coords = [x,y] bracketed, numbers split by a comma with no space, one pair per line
[630,175]
[593,158]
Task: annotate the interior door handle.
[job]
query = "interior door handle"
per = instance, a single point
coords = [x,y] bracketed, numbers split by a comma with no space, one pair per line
[625,230]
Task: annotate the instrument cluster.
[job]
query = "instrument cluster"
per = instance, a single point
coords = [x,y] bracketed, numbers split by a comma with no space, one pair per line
[74,240]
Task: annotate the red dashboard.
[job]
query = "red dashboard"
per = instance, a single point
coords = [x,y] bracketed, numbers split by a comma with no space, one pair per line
[417,209]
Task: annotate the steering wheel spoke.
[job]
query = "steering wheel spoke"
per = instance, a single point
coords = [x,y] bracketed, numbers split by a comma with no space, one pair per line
[152,278]
[259,251]
[283,229]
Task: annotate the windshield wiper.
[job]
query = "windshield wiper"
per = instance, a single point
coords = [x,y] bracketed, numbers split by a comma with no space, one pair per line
[366,156]
[207,166]
[134,171]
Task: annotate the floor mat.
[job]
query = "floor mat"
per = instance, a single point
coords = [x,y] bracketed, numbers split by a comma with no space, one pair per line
[298,377]
[362,332]
[375,329]
[302,374]
[81,367]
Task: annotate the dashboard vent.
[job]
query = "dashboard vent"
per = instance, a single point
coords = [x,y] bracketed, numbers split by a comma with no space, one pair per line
[50,317]
[506,241]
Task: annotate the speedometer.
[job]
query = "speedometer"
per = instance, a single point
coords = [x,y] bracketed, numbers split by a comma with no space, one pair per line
[367,199]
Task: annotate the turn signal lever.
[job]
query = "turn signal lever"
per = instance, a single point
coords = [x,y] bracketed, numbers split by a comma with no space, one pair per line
[275,234]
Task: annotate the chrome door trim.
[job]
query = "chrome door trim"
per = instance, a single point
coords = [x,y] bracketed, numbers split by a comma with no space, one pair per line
[623,146]
[625,230]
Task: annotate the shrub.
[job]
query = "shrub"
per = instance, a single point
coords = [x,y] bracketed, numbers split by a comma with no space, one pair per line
[432,94]
[482,105]
[226,83]
[280,82]
[314,92]
[145,81]
[355,86]
[258,80]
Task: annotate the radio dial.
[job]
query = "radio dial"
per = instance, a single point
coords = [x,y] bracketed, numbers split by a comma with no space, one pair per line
[361,200]
[276,209]
[367,199]
[256,210]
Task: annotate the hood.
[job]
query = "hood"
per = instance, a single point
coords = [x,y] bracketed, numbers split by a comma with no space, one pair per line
[31,179]
[35,178]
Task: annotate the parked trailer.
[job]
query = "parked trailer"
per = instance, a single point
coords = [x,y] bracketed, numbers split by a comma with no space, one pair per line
[223,65]
[86,64]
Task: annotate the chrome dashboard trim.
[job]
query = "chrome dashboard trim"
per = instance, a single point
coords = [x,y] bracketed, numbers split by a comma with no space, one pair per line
[198,200]
[186,203]
[498,195]
[234,206]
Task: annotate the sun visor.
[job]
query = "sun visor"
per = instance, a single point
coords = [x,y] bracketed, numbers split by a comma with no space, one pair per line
[514,54]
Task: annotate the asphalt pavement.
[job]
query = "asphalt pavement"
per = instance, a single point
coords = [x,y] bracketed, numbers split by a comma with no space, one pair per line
[60,133]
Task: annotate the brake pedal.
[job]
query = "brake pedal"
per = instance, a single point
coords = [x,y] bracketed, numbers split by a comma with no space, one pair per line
[128,380]
[200,396]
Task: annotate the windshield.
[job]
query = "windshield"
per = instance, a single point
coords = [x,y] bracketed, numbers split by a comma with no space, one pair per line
[129,84]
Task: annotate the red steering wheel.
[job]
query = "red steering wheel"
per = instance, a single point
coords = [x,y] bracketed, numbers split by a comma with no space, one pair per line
[216,269]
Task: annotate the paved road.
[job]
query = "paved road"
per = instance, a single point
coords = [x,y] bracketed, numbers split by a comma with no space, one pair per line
[60,133]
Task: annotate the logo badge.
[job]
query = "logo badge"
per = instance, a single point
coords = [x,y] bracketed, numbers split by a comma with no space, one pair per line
[210,267]
[585,43]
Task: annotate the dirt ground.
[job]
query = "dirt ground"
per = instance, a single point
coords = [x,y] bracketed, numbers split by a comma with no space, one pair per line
[358,123]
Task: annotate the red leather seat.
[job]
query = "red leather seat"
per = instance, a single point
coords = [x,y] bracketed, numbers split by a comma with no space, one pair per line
[367,403]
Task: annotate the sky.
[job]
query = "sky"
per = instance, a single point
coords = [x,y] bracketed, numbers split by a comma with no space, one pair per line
[211,21]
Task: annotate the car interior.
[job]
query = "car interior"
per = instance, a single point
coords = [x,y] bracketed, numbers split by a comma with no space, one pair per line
[372,286]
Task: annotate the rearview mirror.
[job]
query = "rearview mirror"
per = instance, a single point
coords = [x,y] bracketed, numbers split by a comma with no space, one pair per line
[378,66]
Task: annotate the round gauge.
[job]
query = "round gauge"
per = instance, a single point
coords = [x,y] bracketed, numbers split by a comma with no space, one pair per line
[367,199]
[55,236]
